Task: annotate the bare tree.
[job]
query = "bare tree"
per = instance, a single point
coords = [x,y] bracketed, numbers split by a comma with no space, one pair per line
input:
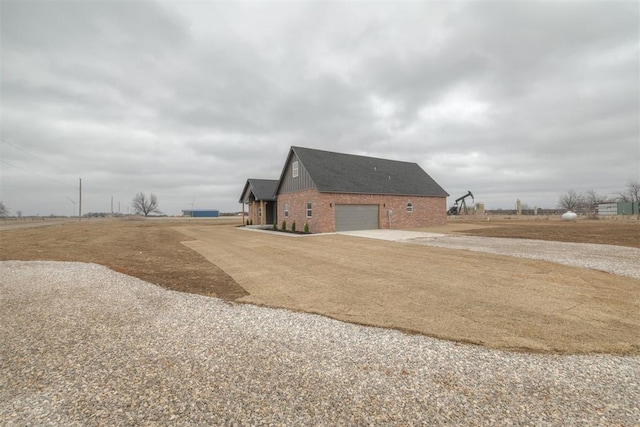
[591,200]
[631,194]
[633,190]
[3,210]
[572,200]
[145,205]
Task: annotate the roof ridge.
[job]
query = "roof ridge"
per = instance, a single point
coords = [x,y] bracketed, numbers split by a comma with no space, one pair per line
[353,155]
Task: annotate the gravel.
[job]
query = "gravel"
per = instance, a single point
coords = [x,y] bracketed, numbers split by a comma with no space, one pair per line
[619,260]
[83,345]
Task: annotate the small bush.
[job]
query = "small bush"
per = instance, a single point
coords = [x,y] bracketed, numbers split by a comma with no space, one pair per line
[247,222]
[306,228]
[275,226]
[250,222]
[293,227]
[284,226]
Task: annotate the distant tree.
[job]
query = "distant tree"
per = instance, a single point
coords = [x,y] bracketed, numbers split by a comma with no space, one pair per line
[632,193]
[144,205]
[591,201]
[18,214]
[3,210]
[572,200]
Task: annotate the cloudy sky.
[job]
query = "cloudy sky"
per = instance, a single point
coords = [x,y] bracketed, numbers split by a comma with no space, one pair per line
[187,99]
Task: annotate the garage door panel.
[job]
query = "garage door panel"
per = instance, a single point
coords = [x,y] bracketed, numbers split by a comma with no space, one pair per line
[356,217]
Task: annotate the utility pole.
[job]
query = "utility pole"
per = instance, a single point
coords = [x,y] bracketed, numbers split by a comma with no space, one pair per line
[111,205]
[80,202]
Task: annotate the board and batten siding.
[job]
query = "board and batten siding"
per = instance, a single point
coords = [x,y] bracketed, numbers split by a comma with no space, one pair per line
[291,184]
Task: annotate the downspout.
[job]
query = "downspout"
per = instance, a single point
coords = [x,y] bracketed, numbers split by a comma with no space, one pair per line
[389,213]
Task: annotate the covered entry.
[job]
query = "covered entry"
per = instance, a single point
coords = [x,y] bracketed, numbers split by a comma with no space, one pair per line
[357,217]
[260,195]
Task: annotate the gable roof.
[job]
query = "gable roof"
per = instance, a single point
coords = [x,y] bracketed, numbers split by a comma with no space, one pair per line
[262,189]
[347,173]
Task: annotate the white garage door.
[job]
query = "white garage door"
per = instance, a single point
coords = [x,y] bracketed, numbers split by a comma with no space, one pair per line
[356,217]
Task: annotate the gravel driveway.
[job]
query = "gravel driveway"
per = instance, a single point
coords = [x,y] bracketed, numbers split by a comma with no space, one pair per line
[83,345]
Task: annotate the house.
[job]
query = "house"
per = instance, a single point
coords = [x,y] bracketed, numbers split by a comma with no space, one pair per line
[260,195]
[338,192]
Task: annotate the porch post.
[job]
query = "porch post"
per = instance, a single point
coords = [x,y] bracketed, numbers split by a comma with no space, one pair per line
[254,215]
[263,220]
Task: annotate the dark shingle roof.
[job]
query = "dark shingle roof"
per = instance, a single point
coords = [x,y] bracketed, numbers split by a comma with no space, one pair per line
[262,189]
[347,173]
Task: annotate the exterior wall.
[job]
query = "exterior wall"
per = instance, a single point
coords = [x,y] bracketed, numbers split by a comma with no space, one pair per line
[618,208]
[201,213]
[627,208]
[253,212]
[206,214]
[290,183]
[261,212]
[427,211]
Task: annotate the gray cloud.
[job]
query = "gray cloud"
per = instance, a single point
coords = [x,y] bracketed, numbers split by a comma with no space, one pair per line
[188,99]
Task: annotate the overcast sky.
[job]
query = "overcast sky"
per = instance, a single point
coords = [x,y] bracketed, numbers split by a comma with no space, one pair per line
[189,99]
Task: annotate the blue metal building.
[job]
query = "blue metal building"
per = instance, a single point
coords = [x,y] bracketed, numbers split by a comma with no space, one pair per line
[201,213]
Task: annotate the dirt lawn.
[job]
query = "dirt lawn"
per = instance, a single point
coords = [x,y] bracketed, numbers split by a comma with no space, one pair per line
[497,301]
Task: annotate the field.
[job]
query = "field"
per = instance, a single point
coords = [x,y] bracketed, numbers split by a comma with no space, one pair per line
[496,301]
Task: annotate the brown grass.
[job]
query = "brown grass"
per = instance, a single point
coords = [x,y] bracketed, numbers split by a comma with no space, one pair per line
[497,301]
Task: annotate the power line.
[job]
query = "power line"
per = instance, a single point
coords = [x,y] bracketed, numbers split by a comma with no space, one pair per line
[31,154]
[37,174]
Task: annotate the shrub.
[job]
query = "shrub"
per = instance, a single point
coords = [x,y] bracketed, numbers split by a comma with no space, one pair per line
[250,222]
[275,226]
[247,222]
[284,226]
[306,228]
[293,227]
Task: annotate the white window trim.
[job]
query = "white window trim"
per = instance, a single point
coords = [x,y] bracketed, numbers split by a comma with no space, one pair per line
[286,210]
[294,170]
[409,207]
[309,208]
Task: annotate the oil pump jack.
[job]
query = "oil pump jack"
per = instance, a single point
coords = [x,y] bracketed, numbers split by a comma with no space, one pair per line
[457,210]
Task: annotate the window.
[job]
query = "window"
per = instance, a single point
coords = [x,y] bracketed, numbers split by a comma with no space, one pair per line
[260,212]
[309,210]
[286,210]
[409,207]
[295,169]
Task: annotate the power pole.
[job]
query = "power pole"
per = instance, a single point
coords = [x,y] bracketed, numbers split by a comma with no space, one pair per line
[111,205]
[80,202]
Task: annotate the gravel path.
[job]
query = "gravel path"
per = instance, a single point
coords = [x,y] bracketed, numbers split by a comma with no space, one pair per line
[619,260]
[83,345]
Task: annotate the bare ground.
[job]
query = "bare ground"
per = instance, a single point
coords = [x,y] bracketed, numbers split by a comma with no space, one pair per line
[497,301]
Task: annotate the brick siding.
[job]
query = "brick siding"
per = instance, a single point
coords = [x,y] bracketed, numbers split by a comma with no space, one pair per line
[427,211]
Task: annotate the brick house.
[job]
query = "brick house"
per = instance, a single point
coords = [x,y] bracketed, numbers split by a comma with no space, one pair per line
[260,195]
[338,192]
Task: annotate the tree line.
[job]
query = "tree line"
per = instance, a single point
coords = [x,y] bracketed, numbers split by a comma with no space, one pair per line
[573,200]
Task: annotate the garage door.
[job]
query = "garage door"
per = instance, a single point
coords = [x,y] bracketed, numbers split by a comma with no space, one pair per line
[356,217]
